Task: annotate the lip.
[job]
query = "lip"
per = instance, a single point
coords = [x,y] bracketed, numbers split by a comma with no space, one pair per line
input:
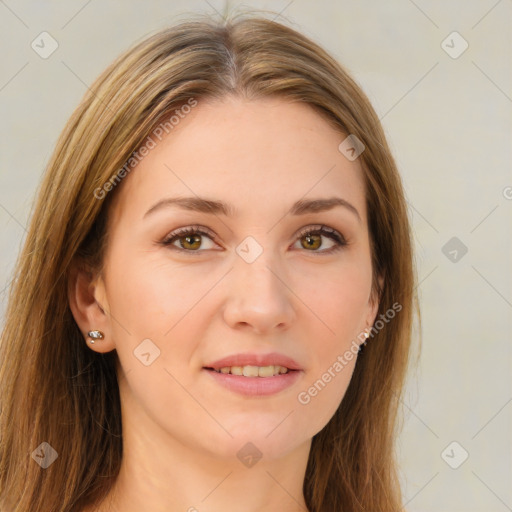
[247,359]
[255,386]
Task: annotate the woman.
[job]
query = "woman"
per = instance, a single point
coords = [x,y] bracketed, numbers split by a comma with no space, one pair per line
[213,306]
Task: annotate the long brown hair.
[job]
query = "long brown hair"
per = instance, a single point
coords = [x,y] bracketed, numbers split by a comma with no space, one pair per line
[56,390]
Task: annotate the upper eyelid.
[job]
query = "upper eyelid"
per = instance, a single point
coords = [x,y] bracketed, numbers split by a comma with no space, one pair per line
[319,227]
[192,229]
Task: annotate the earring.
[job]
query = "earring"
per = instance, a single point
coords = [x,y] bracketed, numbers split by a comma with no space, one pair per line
[366,336]
[95,335]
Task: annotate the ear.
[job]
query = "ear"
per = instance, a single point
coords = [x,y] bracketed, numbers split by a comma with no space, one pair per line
[89,305]
[374,303]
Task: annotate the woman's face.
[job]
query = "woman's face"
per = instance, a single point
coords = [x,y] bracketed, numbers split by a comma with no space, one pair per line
[254,278]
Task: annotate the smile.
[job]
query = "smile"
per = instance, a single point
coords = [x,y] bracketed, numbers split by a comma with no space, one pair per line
[253,371]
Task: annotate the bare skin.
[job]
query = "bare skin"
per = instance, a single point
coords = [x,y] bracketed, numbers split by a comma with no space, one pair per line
[198,300]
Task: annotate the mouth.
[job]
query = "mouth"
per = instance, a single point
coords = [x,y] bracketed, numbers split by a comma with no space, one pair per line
[251,371]
[253,374]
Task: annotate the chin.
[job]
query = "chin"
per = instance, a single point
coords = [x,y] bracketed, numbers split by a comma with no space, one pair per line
[250,447]
[272,437]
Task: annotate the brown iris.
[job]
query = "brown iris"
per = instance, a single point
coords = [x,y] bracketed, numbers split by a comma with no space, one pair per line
[312,241]
[193,240]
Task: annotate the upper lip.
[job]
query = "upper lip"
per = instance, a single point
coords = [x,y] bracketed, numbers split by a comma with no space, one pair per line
[273,359]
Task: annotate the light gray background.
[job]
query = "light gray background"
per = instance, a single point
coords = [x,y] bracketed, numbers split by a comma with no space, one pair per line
[449,123]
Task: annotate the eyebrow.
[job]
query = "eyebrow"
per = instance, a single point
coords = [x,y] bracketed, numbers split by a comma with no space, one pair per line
[210,206]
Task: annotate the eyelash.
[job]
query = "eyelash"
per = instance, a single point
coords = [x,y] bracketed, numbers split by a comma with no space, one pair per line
[334,235]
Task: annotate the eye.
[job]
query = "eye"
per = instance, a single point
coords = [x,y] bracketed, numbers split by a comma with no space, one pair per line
[190,239]
[311,239]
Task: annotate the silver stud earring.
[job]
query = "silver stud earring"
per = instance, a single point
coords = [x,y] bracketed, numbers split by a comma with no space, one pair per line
[366,336]
[95,335]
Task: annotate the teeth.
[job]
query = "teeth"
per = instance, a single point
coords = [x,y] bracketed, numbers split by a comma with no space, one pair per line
[254,371]
[265,371]
[250,371]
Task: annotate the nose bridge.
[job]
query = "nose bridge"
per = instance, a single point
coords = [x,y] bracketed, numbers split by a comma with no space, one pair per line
[257,295]
[257,277]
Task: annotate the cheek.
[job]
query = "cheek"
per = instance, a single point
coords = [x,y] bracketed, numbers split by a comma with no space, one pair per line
[158,323]
[149,295]
[319,399]
[171,305]
[338,295]
[332,364]
[340,301]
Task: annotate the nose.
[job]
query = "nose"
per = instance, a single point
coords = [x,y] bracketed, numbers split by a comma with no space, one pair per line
[258,298]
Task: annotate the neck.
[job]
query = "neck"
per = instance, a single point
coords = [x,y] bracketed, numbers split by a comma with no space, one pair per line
[158,478]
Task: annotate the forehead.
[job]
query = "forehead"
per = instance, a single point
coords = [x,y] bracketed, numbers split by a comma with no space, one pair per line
[253,154]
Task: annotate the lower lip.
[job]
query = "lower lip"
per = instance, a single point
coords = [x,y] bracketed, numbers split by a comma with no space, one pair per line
[255,386]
